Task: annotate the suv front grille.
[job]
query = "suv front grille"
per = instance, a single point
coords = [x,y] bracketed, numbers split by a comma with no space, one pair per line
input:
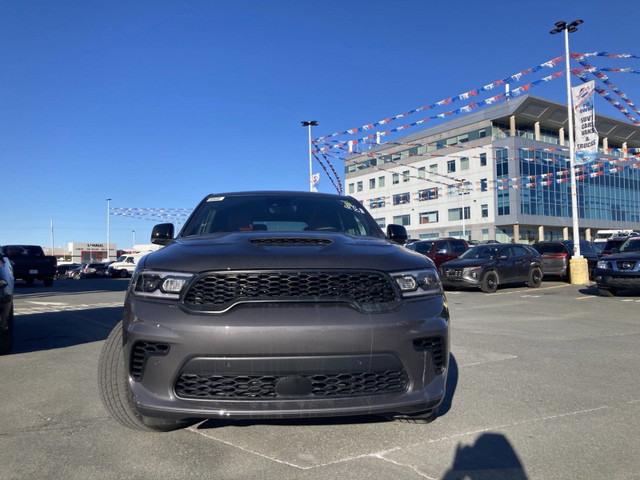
[452,272]
[333,385]
[218,291]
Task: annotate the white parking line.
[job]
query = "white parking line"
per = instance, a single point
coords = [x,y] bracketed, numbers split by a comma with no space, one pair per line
[52,307]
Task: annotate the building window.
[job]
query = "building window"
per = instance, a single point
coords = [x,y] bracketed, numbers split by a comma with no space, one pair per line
[451,166]
[402,220]
[376,202]
[381,222]
[429,217]
[380,182]
[422,173]
[395,178]
[433,169]
[427,194]
[360,186]
[502,171]
[405,176]
[401,198]
[483,184]
[464,163]
[351,188]
[485,210]
[483,159]
[456,214]
[372,183]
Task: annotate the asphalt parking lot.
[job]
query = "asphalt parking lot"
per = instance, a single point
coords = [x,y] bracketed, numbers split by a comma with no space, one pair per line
[543,384]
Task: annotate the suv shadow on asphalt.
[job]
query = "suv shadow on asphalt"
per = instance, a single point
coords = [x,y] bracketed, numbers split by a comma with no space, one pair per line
[71,287]
[445,406]
[46,331]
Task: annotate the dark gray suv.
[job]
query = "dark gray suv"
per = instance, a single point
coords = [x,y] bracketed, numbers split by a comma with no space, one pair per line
[277,305]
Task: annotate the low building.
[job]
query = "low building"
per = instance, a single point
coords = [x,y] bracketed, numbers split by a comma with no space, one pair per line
[500,173]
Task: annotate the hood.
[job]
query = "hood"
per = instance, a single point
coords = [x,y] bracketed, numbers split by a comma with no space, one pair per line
[262,251]
[631,256]
[466,263]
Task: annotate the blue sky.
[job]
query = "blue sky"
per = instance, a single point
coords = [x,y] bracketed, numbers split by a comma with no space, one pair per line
[157,103]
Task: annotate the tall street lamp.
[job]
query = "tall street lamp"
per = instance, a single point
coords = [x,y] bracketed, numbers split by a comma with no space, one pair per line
[108,228]
[309,124]
[579,264]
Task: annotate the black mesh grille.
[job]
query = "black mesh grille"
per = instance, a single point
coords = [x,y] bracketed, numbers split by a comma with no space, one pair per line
[140,352]
[220,290]
[264,386]
[452,273]
[290,241]
[438,350]
[626,264]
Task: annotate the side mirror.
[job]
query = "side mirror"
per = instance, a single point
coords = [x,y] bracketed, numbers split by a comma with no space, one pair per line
[162,234]
[397,233]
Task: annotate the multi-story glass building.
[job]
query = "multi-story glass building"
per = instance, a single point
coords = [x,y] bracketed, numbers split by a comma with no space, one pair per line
[500,173]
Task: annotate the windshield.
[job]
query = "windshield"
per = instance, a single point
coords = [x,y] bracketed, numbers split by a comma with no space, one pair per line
[481,251]
[280,213]
[631,245]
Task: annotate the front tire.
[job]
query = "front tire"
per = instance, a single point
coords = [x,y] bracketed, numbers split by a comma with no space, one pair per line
[489,282]
[535,278]
[114,390]
[123,274]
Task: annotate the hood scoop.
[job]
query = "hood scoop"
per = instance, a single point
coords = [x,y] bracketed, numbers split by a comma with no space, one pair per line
[291,242]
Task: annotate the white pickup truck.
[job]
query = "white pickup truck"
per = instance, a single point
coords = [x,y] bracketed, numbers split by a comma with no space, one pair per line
[124,266]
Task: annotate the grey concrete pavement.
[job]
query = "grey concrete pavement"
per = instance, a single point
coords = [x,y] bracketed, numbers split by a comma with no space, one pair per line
[543,385]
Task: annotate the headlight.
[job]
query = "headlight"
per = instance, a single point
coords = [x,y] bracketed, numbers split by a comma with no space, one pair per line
[418,282]
[169,285]
[602,264]
[472,272]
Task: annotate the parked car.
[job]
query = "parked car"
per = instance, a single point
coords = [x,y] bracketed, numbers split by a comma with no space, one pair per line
[556,256]
[487,266]
[63,268]
[613,243]
[440,250]
[88,270]
[619,270]
[277,305]
[6,304]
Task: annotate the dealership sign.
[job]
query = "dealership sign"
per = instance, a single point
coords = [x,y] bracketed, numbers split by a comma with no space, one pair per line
[586,135]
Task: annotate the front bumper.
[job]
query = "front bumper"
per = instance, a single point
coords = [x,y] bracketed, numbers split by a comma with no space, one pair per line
[617,279]
[286,360]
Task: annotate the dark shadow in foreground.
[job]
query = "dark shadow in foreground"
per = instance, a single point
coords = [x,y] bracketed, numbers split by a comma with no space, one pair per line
[491,458]
[46,331]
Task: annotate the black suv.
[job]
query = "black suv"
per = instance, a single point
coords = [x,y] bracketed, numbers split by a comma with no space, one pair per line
[277,305]
[487,266]
[620,270]
[440,250]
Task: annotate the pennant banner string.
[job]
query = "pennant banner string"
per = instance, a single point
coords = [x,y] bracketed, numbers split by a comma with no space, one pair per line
[463,96]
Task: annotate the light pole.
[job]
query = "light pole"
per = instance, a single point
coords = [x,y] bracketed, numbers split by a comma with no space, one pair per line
[133,240]
[108,228]
[309,124]
[577,273]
